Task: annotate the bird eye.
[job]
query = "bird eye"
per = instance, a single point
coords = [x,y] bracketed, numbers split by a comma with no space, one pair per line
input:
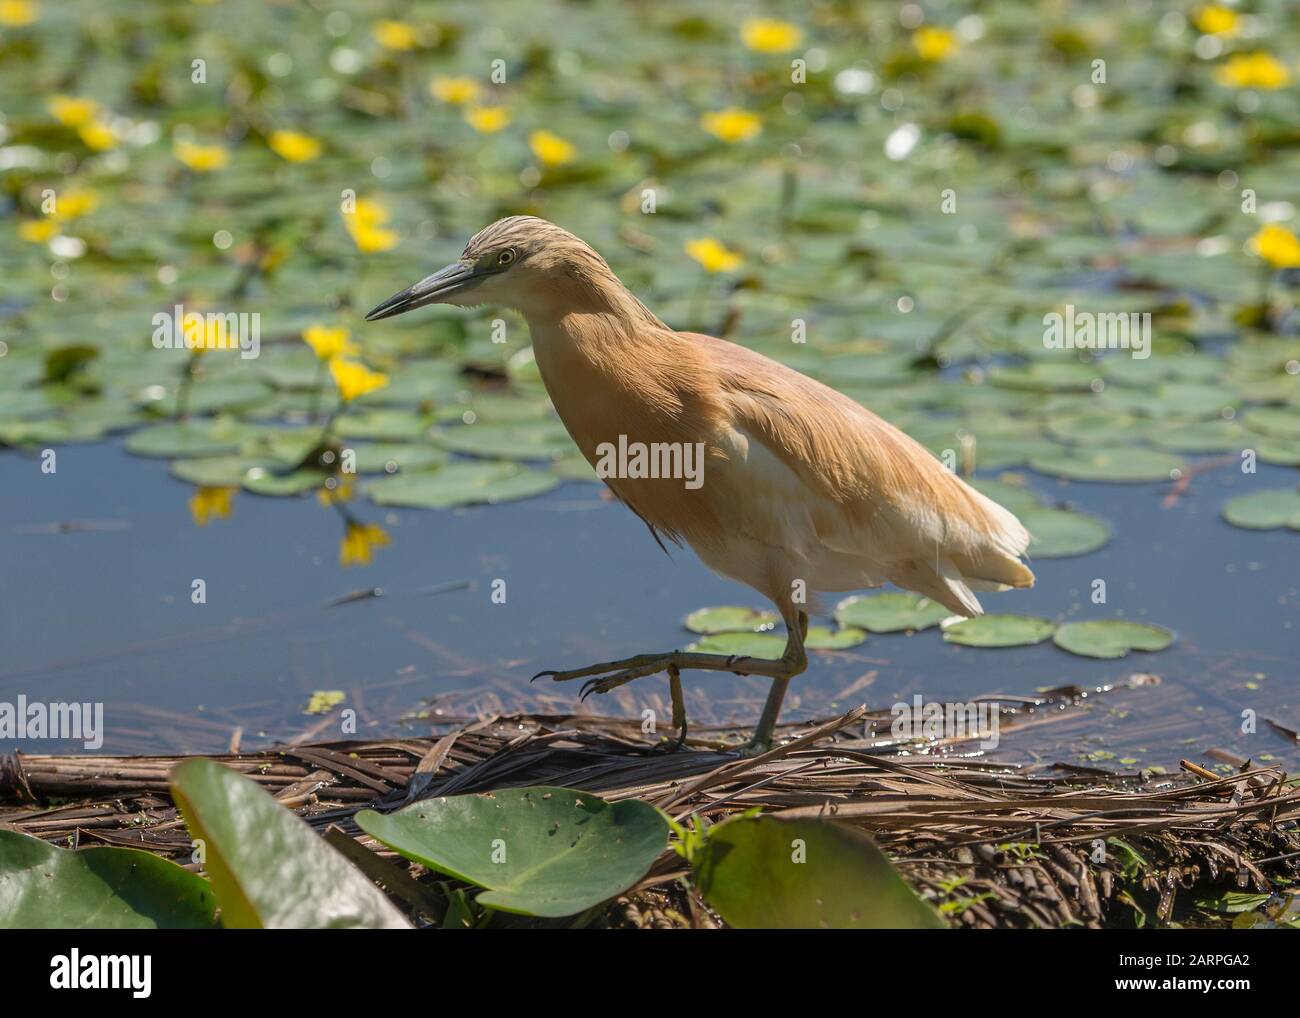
[506,256]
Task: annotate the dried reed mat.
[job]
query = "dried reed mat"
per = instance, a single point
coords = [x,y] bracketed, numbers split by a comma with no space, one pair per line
[996,844]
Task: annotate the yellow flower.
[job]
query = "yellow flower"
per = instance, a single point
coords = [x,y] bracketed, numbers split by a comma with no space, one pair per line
[732,124]
[550,149]
[75,204]
[487,119]
[38,231]
[97,136]
[355,379]
[341,492]
[295,147]
[457,91]
[327,343]
[768,35]
[1215,20]
[16,13]
[1278,246]
[207,504]
[71,112]
[208,332]
[201,158]
[396,35]
[713,255]
[934,44]
[1253,70]
[365,224]
[359,543]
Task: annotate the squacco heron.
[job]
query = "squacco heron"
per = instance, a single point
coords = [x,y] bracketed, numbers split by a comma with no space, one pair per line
[802,489]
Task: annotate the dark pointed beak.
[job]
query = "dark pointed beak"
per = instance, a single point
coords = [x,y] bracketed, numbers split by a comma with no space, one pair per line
[442,284]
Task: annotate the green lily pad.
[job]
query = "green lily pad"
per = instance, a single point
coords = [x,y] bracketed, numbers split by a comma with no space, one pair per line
[999,631]
[389,457]
[1110,638]
[101,887]
[539,851]
[541,440]
[1264,510]
[1017,498]
[218,471]
[296,482]
[825,638]
[764,645]
[268,868]
[813,874]
[1120,465]
[730,619]
[190,438]
[383,425]
[461,484]
[890,612]
[1060,533]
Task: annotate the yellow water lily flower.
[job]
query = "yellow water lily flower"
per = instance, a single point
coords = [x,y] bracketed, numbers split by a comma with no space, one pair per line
[293,146]
[326,342]
[365,225]
[1253,70]
[457,91]
[550,149]
[38,231]
[357,548]
[207,504]
[71,111]
[396,35]
[714,255]
[732,124]
[1215,20]
[208,332]
[487,119]
[97,136]
[201,158]
[341,492]
[1278,246]
[770,35]
[934,44]
[16,13]
[74,204]
[354,379]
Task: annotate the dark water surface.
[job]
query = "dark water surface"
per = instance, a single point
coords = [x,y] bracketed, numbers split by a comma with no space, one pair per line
[105,614]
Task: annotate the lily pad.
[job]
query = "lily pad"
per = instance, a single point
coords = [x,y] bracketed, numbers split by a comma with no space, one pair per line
[998,631]
[541,440]
[268,868]
[1120,465]
[890,612]
[461,484]
[764,645]
[101,887]
[1110,638]
[539,851]
[1265,510]
[825,638]
[190,438]
[730,619]
[1060,533]
[813,874]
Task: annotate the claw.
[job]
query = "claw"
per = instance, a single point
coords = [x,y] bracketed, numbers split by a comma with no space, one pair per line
[540,674]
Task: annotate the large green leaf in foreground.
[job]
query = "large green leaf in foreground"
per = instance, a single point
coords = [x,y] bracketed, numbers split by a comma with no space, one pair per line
[764,872]
[45,887]
[268,868]
[539,851]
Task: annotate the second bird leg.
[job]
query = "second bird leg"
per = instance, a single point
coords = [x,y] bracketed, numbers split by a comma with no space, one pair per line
[609,675]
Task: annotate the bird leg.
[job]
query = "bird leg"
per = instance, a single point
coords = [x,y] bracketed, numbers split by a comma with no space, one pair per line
[609,675]
[679,705]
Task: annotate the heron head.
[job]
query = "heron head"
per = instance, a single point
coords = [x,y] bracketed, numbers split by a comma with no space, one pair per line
[499,265]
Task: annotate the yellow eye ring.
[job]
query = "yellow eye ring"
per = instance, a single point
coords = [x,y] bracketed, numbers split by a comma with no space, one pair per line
[506,257]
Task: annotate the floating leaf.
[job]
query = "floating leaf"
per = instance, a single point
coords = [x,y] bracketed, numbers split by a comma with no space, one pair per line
[1110,638]
[813,874]
[1265,510]
[730,619]
[1125,465]
[998,631]
[539,851]
[101,887]
[1059,533]
[764,645]
[460,484]
[890,612]
[542,440]
[268,868]
[825,638]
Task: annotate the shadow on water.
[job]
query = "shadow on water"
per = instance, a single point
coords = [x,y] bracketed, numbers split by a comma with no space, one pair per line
[103,612]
